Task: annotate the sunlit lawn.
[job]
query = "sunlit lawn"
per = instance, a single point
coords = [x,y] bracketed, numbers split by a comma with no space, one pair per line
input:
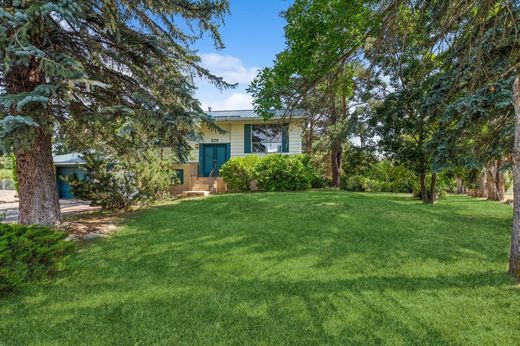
[319,267]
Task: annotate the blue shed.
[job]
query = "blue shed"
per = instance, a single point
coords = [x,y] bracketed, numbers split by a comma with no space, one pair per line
[67,165]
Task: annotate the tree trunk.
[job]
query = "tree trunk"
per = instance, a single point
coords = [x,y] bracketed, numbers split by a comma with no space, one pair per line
[482,185]
[335,146]
[428,193]
[38,197]
[514,256]
[344,106]
[336,153]
[37,192]
[310,136]
[495,181]
[460,186]
[433,185]
[500,182]
[422,182]
[490,182]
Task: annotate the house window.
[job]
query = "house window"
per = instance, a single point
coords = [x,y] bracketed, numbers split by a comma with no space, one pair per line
[180,175]
[266,138]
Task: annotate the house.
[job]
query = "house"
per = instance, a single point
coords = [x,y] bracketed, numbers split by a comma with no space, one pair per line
[245,133]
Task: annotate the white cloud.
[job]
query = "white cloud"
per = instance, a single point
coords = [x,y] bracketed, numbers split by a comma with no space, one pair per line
[233,70]
[229,67]
[234,102]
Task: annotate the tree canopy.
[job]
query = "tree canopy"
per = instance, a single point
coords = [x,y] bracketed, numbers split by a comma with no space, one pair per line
[440,91]
[112,74]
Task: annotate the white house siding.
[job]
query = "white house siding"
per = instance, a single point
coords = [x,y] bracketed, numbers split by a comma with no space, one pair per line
[235,136]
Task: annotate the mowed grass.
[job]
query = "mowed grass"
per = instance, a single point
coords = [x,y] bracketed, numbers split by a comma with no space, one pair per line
[318,267]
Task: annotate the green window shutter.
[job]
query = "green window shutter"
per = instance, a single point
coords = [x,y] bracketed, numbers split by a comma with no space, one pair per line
[228,151]
[201,159]
[285,138]
[247,138]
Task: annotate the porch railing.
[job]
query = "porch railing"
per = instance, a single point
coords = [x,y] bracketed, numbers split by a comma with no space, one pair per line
[212,179]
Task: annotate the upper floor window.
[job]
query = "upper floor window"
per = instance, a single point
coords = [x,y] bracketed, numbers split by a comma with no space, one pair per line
[266,138]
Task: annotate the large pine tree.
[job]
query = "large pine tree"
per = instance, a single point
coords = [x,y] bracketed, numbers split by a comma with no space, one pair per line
[116,71]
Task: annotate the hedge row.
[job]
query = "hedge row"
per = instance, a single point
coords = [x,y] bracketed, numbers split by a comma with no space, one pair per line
[271,172]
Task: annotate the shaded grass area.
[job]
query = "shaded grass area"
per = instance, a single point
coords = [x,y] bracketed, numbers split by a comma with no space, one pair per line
[318,267]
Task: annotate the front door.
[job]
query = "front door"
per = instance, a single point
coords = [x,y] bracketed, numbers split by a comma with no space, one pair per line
[213,157]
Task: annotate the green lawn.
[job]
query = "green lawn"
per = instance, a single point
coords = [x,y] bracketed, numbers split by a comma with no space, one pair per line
[319,267]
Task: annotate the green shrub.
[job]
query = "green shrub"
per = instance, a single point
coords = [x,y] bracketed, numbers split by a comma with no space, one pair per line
[117,184]
[29,253]
[361,183]
[394,178]
[382,176]
[6,162]
[154,175]
[239,172]
[274,172]
[6,174]
[285,173]
[318,179]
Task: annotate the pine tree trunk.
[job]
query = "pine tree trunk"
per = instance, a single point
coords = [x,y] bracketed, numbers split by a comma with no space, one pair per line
[37,192]
[38,197]
[514,256]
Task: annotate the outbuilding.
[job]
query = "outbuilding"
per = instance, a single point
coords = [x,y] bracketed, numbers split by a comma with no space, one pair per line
[67,165]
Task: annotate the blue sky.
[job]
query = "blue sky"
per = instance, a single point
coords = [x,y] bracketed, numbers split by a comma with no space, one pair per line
[253,35]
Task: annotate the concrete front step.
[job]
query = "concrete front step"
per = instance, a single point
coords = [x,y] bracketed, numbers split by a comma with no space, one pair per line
[200,187]
[202,184]
[195,193]
[204,180]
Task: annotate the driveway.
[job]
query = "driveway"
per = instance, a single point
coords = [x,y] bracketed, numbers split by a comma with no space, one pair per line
[68,206]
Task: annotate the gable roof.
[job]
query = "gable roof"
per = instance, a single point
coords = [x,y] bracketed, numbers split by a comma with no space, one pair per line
[70,159]
[250,114]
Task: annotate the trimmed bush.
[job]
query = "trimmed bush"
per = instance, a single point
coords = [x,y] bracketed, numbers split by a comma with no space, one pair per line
[273,172]
[285,173]
[239,172]
[29,253]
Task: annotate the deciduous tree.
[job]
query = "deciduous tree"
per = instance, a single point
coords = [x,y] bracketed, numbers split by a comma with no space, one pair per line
[324,39]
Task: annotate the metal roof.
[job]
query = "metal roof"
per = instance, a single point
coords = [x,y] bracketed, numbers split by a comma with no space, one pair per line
[249,114]
[68,159]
